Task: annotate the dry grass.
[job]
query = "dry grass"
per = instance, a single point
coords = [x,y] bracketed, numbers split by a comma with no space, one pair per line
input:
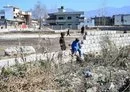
[28,78]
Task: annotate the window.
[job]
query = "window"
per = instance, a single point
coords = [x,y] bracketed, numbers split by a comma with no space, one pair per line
[61,24]
[77,16]
[60,18]
[69,18]
[13,9]
[125,20]
[52,23]
[2,17]
[122,19]
[69,25]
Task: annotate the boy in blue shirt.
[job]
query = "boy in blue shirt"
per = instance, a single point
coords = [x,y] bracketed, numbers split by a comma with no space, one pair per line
[76,47]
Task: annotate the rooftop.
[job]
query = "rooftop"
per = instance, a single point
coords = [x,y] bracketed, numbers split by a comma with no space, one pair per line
[63,13]
[122,15]
[10,6]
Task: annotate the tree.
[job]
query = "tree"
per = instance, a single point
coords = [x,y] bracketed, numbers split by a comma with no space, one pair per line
[39,13]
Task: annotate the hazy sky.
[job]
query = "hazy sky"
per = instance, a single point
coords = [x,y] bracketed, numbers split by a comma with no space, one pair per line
[83,5]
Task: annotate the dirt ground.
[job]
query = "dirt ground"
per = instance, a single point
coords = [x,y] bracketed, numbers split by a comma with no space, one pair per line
[49,44]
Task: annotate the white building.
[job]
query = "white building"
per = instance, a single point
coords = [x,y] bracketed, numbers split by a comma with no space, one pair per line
[2,14]
[122,20]
[14,16]
[90,22]
[63,19]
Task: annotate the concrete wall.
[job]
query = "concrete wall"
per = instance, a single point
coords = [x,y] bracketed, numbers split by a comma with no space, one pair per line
[126,20]
[93,41]
[57,57]
[60,27]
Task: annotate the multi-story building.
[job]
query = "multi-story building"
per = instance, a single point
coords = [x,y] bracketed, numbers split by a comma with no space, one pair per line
[122,20]
[2,18]
[62,19]
[13,16]
[100,21]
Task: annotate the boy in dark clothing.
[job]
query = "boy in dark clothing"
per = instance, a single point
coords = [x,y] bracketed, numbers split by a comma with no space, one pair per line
[125,31]
[68,32]
[82,30]
[62,42]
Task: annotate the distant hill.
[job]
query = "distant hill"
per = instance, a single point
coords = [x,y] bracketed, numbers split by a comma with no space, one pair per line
[108,11]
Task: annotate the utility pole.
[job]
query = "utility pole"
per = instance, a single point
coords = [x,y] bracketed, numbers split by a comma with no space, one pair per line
[102,12]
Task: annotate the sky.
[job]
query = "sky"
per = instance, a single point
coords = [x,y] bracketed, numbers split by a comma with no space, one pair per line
[80,5]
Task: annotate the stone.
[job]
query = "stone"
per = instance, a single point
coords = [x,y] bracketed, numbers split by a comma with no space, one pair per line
[93,89]
[87,73]
[19,50]
[112,86]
